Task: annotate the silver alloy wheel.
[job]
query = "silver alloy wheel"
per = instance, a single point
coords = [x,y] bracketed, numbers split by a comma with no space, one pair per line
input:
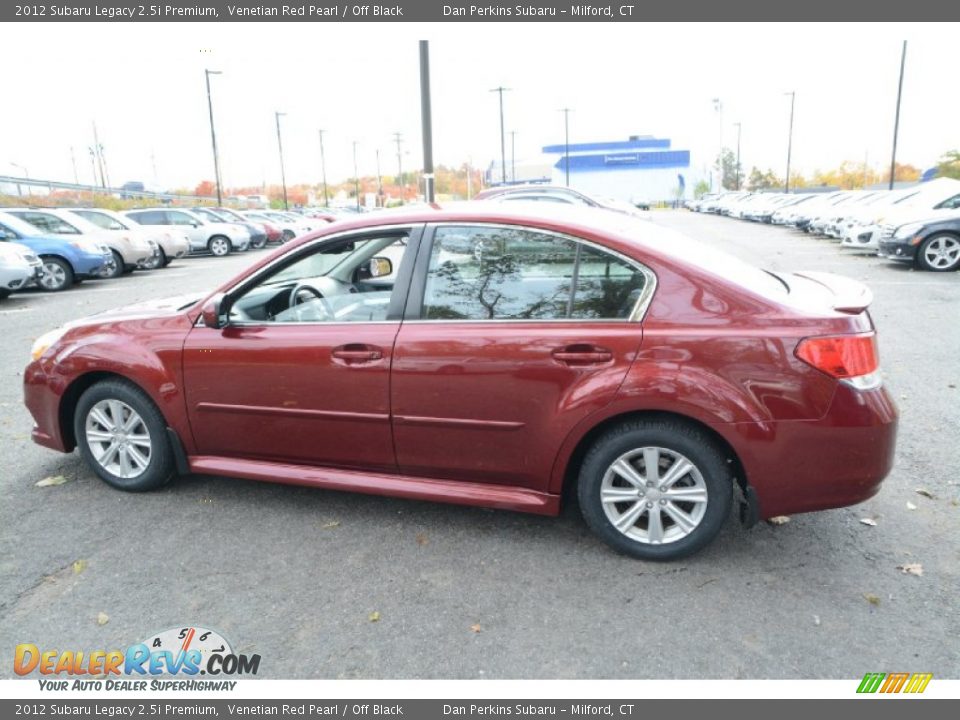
[118,438]
[943,252]
[654,495]
[219,246]
[54,276]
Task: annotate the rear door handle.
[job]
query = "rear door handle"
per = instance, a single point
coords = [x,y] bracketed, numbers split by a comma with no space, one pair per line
[356,353]
[582,355]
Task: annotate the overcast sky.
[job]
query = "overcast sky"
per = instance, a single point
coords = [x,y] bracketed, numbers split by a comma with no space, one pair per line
[143,84]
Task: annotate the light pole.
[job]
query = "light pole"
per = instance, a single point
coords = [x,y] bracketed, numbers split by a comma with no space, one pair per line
[793,97]
[283,172]
[513,156]
[503,142]
[426,122]
[739,128]
[379,181]
[398,138]
[356,176]
[213,137]
[896,122]
[323,170]
[718,106]
[566,144]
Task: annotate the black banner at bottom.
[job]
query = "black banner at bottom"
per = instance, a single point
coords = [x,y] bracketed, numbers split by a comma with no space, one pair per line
[873,708]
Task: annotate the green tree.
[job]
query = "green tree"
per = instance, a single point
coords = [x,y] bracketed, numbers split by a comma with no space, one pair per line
[949,165]
[700,189]
[727,165]
[760,180]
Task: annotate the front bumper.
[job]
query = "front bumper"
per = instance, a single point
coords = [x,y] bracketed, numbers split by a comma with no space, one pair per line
[43,402]
[900,250]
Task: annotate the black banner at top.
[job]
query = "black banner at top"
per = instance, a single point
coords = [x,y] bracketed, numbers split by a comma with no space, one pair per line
[327,11]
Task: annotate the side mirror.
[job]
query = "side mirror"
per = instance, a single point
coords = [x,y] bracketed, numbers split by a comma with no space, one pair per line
[194,223]
[375,267]
[215,311]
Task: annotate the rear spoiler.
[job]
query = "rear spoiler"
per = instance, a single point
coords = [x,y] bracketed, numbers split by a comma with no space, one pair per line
[849,296]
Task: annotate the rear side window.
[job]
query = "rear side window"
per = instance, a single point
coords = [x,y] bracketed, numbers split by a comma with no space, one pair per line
[481,273]
[150,217]
[47,223]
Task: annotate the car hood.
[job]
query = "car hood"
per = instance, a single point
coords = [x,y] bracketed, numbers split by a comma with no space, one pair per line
[164,307]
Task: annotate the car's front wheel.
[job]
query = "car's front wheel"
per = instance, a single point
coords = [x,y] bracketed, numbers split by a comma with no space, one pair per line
[219,246]
[655,489]
[940,253]
[115,269]
[57,274]
[122,436]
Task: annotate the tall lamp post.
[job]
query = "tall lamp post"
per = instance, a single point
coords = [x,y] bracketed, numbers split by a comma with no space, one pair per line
[283,172]
[896,122]
[26,175]
[513,156]
[503,141]
[213,136]
[566,144]
[356,176]
[323,170]
[718,106]
[739,128]
[793,97]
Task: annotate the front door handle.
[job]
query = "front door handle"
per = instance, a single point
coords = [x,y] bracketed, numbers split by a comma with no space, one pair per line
[357,353]
[582,354]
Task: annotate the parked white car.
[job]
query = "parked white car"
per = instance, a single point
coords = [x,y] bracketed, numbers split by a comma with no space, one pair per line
[171,244]
[925,201]
[129,250]
[19,267]
[216,238]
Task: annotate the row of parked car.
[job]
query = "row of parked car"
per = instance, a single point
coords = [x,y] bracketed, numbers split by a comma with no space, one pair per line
[55,248]
[919,224]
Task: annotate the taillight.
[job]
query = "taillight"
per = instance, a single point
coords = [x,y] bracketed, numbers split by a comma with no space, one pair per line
[841,356]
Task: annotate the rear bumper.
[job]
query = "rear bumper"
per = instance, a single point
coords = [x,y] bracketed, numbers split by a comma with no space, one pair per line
[839,460]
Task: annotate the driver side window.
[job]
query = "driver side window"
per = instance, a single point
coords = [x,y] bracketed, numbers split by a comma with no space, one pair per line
[337,281]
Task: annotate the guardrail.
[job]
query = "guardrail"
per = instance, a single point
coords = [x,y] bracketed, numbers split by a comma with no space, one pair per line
[51,185]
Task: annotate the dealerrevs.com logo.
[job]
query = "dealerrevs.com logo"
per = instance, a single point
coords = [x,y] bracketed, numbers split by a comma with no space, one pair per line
[185,652]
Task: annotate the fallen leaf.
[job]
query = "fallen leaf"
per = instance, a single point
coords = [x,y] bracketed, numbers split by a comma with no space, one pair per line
[871,598]
[374,616]
[330,525]
[911,506]
[869,521]
[422,539]
[475,627]
[79,566]
[779,520]
[816,620]
[926,493]
[911,569]
[52,480]
[102,618]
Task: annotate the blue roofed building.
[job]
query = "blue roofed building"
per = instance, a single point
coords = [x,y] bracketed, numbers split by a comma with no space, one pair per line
[641,169]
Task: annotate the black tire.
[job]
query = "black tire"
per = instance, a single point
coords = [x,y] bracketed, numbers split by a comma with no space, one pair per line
[118,267]
[939,253]
[260,244]
[673,436]
[161,467]
[4,293]
[220,246]
[288,235]
[57,274]
[164,260]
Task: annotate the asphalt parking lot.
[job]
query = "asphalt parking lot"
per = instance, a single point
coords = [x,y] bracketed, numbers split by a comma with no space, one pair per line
[294,574]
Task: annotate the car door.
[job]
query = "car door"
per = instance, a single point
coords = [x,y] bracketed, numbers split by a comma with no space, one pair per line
[195,230]
[304,382]
[511,337]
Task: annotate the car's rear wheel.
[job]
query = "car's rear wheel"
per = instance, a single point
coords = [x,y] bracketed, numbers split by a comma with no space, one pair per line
[655,489]
[57,274]
[940,253]
[219,246]
[122,436]
[288,235]
[260,244]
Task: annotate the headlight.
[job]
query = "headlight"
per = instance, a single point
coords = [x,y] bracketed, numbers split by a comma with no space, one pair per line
[905,231]
[45,341]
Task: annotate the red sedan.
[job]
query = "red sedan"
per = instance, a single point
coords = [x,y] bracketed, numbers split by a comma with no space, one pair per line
[485,356]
